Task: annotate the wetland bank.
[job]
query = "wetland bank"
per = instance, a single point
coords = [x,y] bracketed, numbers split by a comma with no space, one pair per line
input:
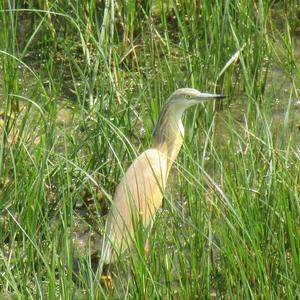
[81,86]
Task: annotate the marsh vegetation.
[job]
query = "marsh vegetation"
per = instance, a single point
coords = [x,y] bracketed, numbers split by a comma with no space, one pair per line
[81,86]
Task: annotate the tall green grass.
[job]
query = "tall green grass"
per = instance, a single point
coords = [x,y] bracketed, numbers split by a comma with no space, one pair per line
[82,84]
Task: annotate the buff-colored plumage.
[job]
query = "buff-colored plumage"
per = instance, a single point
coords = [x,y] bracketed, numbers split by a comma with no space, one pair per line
[140,191]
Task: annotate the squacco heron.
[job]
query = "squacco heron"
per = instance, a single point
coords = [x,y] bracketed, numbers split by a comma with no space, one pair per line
[140,191]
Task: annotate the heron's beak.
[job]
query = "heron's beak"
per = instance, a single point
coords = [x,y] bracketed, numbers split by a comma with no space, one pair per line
[206,96]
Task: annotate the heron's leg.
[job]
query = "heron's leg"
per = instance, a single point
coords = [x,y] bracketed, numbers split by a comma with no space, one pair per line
[106,278]
[147,247]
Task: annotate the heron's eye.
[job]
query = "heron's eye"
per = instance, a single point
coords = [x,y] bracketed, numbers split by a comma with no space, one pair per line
[188,97]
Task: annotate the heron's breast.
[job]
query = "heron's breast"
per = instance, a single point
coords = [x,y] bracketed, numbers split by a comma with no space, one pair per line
[140,191]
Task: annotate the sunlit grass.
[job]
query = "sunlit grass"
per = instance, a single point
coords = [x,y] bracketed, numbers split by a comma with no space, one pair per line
[229,226]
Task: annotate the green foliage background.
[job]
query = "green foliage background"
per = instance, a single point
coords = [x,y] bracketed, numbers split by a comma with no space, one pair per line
[81,86]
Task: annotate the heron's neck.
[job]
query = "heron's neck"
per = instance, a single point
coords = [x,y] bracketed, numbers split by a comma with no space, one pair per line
[168,133]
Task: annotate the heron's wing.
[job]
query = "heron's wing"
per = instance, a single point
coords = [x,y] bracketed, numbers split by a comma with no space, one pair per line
[138,196]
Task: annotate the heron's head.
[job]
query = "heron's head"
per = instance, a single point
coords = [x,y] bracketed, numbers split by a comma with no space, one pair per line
[186,97]
[169,120]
